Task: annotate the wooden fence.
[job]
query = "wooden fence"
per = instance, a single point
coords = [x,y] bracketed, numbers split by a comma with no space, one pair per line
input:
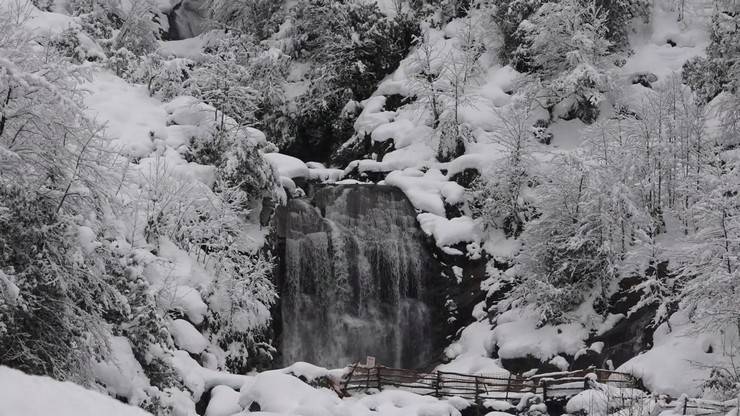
[479,388]
[701,407]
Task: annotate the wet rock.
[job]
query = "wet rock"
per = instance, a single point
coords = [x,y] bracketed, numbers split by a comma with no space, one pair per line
[629,337]
[466,177]
[646,79]
[523,364]
[586,359]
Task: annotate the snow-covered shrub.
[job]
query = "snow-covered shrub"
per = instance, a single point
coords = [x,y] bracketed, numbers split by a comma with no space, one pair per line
[55,324]
[138,33]
[452,139]
[240,311]
[224,83]
[568,45]
[723,383]
[517,17]
[256,17]
[68,43]
[123,62]
[351,46]
[163,77]
[246,169]
[564,257]
[498,198]
[718,71]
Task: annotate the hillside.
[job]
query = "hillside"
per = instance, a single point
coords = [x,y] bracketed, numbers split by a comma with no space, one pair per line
[197,197]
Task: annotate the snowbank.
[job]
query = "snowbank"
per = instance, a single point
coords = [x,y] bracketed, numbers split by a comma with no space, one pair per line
[122,375]
[471,353]
[517,336]
[25,395]
[287,166]
[448,232]
[680,358]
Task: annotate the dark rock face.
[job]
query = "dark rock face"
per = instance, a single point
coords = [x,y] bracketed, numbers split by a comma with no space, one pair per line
[646,79]
[629,337]
[590,358]
[356,278]
[187,19]
[523,364]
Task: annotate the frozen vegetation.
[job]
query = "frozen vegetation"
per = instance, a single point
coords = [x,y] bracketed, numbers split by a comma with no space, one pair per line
[198,196]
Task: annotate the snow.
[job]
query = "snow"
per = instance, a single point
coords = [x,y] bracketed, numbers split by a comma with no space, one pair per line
[479,156]
[425,190]
[281,393]
[287,166]
[653,54]
[403,132]
[121,374]
[517,335]
[590,402]
[9,290]
[189,300]
[191,48]
[311,372]
[372,115]
[501,247]
[559,362]
[470,354]
[27,395]
[678,361]
[198,379]
[448,232]
[132,119]
[224,402]
[187,337]
[324,175]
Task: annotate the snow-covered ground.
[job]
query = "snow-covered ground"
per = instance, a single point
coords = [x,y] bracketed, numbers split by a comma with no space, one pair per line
[152,136]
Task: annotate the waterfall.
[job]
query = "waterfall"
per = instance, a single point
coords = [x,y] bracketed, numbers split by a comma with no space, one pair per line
[186,19]
[355,279]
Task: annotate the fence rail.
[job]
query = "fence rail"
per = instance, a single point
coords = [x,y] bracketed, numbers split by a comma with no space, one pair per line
[479,387]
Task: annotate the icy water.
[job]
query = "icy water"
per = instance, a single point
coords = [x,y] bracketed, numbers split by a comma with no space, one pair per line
[354,279]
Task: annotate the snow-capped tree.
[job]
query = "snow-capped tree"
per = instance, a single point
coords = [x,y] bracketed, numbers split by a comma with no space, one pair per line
[565,256]
[53,181]
[718,71]
[710,262]
[254,17]
[567,44]
[223,83]
[499,198]
[138,33]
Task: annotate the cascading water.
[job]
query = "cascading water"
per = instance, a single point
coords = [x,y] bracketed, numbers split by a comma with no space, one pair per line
[356,279]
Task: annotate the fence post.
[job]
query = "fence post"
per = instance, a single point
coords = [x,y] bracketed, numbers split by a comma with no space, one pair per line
[436,387]
[476,390]
[508,386]
[544,389]
[377,372]
[685,404]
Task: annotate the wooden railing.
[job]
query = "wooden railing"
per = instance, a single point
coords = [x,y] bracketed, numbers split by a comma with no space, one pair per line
[477,387]
[687,406]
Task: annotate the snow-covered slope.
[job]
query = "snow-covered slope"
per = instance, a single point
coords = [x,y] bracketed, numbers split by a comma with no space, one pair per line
[25,395]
